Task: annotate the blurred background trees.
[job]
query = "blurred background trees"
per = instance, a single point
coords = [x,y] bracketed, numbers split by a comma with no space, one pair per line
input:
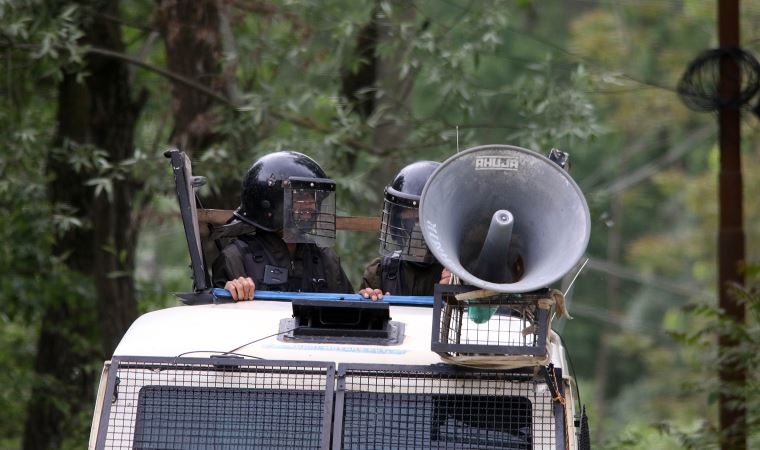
[94,91]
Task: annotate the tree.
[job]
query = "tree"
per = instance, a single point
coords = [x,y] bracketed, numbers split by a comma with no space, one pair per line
[668,229]
[96,119]
[268,76]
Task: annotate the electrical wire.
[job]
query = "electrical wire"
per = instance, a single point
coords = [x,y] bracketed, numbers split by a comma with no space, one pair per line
[261,339]
[234,350]
[217,353]
[652,167]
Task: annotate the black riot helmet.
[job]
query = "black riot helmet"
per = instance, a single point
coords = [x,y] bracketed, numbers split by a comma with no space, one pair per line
[400,232]
[288,191]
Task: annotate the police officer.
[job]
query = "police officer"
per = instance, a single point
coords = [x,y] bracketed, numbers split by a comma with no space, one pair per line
[287,197]
[406,266]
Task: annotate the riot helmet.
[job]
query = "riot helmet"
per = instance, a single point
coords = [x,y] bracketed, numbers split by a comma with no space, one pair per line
[288,191]
[400,232]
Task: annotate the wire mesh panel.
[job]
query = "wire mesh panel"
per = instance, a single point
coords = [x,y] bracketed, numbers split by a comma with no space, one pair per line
[309,211]
[400,231]
[506,324]
[435,407]
[191,403]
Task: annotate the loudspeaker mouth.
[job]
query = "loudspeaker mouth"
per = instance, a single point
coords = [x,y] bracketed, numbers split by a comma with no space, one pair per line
[504,218]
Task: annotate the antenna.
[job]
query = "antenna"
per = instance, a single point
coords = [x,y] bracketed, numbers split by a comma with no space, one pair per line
[457,138]
[575,277]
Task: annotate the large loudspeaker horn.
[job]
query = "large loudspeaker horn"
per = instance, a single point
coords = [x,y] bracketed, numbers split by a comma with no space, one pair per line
[504,218]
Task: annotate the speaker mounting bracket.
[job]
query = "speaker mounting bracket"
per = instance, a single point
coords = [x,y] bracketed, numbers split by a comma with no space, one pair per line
[505,324]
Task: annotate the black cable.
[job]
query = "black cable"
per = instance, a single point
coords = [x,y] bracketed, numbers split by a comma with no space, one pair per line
[216,352]
[232,352]
[699,86]
[593,64]
[260,339]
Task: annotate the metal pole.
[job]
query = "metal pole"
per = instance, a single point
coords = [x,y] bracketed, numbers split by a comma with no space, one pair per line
[732,409]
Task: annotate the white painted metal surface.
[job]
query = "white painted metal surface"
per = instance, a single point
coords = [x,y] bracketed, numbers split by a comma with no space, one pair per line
[203,330]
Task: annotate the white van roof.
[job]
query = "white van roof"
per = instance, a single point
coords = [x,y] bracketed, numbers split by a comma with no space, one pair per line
[251,329]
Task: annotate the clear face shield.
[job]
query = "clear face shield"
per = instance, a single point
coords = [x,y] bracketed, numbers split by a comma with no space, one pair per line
[309,211]
[400,232]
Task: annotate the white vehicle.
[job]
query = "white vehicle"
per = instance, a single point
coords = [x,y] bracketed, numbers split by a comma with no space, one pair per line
[473,367]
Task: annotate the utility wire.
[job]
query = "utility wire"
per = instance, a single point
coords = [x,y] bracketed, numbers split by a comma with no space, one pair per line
[652,167]
[664,284]
[604,316]
[591,63]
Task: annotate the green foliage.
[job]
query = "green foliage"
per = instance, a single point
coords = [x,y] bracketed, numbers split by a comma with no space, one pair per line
[46,32]
[656,163]
[16,355]
[291,98]
[558,111]
[26,222]
[701,339]
[594,82]
[39,41]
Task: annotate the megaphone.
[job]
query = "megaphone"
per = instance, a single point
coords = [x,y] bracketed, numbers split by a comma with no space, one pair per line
[504,218]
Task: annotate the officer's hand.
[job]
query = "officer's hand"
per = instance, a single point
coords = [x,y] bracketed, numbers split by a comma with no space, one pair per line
[374,294]
[445,276]
[241,288]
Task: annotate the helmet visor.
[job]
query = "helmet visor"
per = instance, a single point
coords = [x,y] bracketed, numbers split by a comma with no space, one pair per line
[400,232]
[309,211]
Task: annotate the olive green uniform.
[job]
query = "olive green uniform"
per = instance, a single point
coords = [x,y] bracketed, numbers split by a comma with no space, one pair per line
[406,278]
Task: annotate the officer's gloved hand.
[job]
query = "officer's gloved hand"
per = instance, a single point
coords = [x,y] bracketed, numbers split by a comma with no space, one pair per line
[374,294]
[241,288]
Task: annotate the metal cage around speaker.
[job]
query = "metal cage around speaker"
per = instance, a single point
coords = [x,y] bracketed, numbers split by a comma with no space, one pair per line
[500,324]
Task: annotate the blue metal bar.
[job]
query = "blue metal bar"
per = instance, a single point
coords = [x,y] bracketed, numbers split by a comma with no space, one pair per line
[271,295]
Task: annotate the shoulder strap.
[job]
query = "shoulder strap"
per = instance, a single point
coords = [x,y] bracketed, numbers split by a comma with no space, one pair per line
[255,258]
[246,254]
[421,279]
[391,279]
[314,274]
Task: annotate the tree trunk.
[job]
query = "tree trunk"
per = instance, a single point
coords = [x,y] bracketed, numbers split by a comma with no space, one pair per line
[392,99]
[99,112]
[67,317]
[193,50]
[359,74]
[193,41]
[393,88]
[113,116]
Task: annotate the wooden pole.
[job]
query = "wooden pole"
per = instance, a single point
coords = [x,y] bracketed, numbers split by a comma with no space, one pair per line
[732,409]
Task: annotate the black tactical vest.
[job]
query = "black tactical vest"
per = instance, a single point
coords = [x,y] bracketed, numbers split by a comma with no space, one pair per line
[405,278]
[257,260]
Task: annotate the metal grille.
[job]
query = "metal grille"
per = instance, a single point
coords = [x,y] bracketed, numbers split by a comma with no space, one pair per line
[309,216]
[501,324]
[191,403]
[436,407]
[400,232]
